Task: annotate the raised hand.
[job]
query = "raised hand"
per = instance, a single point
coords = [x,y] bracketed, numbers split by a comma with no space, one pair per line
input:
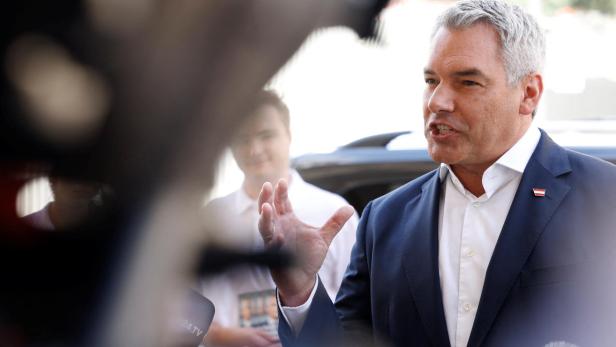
[279,227]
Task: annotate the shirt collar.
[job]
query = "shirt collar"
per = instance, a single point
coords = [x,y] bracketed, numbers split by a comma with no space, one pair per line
[295,182]
[515,158]
[518,156]
[243,202]
[511,163]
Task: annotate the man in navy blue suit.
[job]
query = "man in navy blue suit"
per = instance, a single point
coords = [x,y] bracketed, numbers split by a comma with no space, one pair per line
[500,246]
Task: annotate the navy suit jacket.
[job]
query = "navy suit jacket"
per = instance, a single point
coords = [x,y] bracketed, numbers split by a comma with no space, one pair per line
[547,279]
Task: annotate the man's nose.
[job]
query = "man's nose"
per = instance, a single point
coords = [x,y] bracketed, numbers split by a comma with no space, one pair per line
[255,147]
[441,99]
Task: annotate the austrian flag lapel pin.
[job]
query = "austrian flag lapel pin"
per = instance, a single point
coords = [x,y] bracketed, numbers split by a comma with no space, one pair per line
[540,192]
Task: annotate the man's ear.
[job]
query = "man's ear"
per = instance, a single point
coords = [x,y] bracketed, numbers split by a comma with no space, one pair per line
[532,90]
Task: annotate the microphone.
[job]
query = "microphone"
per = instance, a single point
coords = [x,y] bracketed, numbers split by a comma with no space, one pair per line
[197,313]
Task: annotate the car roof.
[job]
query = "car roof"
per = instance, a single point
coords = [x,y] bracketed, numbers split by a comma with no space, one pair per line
[568,133]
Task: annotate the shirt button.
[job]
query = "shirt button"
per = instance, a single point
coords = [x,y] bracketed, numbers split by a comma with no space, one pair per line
[467,307]
[470,253]
[476,204]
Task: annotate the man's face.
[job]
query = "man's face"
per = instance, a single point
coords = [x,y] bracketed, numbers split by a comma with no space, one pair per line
[471,113]
[261,146]
[73,194]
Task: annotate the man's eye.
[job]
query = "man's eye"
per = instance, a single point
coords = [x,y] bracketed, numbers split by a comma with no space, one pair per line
[469,83]
[267,135]
[430,81]
[242,140]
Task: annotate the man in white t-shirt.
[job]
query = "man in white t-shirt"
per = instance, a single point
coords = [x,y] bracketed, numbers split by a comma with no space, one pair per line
[245,297]
[71,204]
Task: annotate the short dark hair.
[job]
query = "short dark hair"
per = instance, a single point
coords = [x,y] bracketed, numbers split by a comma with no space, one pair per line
[271,98]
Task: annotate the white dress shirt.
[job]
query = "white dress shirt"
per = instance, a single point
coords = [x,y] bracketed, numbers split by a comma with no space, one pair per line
[238,216]
[468,229]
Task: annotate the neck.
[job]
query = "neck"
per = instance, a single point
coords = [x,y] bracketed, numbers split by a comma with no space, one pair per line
[53,214]
[252,190]
[471,177]
[57,215]
[62,216]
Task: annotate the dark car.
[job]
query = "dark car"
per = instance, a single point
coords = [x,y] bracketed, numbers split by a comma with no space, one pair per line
[370,167]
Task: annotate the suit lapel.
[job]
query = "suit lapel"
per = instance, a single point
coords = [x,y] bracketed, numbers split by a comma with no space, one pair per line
[420,261]
[526,220]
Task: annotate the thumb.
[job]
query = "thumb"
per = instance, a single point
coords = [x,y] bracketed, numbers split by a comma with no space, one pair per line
[333,225]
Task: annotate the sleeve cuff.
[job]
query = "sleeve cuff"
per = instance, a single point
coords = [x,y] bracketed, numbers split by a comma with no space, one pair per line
[295,316]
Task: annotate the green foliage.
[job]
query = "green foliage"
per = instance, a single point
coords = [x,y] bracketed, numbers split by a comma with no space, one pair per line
[603,6]
[551,6]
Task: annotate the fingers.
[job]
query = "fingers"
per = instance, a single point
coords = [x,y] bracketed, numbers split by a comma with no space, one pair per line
[268,209]
[278,198]
[333,225]
[269,337]
[266,194]
[266,222]
[259,341]
[263,339]
[282,204]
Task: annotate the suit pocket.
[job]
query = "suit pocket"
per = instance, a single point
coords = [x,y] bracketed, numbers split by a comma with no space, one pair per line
[551,275]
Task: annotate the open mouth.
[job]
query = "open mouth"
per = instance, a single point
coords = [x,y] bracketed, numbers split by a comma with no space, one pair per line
[258,162]
[441,130]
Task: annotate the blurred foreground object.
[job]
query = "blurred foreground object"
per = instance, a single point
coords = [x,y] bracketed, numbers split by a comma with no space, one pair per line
[194,317]
[143,96]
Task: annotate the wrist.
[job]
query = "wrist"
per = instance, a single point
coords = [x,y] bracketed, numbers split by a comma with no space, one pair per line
[298,297]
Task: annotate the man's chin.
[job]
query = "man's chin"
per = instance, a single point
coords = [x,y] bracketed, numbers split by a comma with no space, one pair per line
[442,158]
[263,177]
[445,154]
[258,171]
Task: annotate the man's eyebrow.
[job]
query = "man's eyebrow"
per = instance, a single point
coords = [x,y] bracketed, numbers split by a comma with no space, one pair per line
[265,131]
[462,73]
[473,72]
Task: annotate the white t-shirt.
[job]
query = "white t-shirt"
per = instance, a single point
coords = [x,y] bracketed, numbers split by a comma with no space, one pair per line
[40,219]
[239,216]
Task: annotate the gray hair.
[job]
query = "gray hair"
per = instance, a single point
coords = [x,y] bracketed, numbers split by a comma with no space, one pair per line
[522,41]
